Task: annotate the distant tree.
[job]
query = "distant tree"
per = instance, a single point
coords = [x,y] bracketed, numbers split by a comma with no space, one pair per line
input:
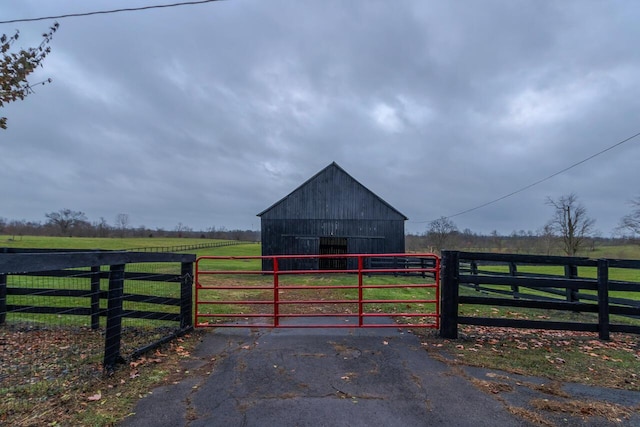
[496,241]
[440,232]
[16,67]
[102,228]
[631,221]
[122,223]
[570,222]
[182,230]
[65,220]
[547,239]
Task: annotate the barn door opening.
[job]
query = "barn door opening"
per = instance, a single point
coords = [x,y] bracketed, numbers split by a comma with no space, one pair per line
[333,246]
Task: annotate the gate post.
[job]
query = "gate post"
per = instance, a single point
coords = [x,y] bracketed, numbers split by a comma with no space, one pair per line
[603,299]
[3,298]
[186,295]
[114,318]
[449,284]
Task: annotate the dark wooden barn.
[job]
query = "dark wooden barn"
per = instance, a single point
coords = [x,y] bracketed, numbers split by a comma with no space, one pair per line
[331,213]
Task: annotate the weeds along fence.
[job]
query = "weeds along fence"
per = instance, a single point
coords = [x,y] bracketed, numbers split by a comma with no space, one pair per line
[133,301]
[183,248]
[561,293]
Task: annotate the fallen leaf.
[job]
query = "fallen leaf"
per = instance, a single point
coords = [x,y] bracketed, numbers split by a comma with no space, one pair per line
[95,397]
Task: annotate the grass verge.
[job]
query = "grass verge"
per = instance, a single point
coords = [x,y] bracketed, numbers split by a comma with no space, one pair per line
[67,387]
[558,355]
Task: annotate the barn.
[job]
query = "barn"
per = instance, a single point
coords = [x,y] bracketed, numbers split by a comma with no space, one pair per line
[330,213]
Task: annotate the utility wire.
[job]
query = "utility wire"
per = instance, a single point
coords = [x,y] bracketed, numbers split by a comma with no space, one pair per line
[541,180]
[105,12]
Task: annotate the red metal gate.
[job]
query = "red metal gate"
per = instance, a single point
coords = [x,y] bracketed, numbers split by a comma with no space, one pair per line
[368,291]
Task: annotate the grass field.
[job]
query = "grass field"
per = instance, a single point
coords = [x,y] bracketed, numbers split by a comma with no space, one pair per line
[46,242]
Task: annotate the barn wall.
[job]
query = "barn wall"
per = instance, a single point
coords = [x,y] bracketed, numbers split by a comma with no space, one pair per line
[296,236]
[331,203]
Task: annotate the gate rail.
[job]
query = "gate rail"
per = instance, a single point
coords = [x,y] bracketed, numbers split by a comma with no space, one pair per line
[235,291]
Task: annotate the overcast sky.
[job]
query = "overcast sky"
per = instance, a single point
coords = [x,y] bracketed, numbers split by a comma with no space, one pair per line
[206,115]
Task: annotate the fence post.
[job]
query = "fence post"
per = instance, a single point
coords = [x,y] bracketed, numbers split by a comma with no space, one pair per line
[186,295]
[513,271]
[95,297]
[473,267]
[603,299]
[571,272]
[114,318]
[3,298]
[449,291]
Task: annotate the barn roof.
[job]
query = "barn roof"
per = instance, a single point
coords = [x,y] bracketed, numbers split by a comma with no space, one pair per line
[334,166]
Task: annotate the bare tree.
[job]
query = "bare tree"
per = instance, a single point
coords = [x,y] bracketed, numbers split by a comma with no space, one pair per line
[102,227]
[65,220]
[122,222]
[571,222]
[182,229]
[440,232]
[631,221]
[547,239]
[16,67]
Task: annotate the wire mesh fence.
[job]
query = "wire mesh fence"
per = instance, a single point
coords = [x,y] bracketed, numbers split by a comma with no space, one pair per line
[87,311]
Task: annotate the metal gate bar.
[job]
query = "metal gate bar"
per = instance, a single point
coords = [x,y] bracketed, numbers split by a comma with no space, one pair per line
[234,291]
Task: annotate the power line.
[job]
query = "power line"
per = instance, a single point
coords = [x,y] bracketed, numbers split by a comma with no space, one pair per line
[541,180]
[105,12]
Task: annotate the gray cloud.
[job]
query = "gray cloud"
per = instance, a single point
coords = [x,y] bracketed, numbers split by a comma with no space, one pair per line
[206,115]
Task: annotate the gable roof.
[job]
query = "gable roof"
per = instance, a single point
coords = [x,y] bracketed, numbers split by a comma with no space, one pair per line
[326,171]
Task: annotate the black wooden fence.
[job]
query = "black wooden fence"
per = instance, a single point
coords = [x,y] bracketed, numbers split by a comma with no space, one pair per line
[508,286]
[20,266]
[192,247]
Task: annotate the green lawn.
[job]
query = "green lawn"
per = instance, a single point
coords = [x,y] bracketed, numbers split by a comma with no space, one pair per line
[46,242]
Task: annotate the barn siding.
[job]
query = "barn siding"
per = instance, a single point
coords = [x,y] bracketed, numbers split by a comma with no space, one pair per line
[331,203]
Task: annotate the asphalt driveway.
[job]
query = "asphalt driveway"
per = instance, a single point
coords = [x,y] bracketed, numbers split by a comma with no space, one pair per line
[341,377]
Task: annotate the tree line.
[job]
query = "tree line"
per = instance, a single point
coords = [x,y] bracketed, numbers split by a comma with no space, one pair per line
[569,231]
[71,223]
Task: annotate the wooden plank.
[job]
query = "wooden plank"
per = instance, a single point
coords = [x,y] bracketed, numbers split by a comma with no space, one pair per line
[544,305]
[21,263]
[625,311]
[150,299]
[74,311]
[628,329]
[590,284]
[624,263]
[151,315]
[615,285]
[528,324]
[527,259]
[49,292]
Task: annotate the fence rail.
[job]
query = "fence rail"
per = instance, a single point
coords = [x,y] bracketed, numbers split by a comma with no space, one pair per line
[182,248]
[499,281]
[75,283]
